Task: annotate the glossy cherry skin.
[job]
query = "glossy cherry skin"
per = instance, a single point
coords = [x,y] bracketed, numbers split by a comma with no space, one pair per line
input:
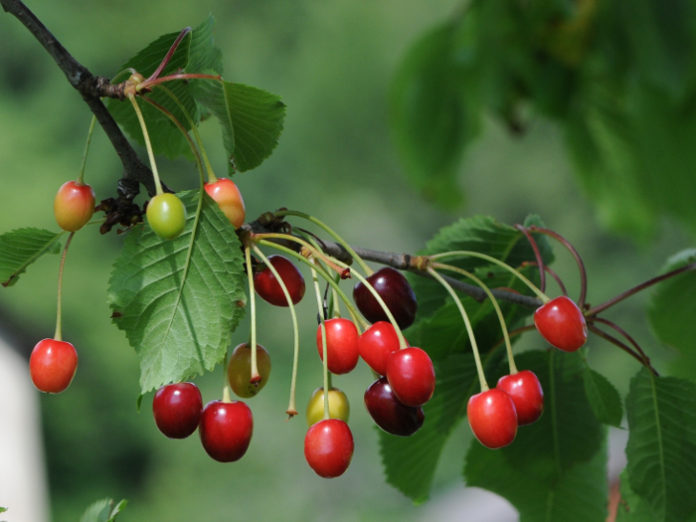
[228,197]
[396,292]
[239,370]
[328,447]
[73,205]
[52,365]
[411,376]
[525,391]
[339,407]
[390,414]
[341,345]
[562,324]
[268,288]
[376,344]
[177,409]
[226,429]
[493,418]
[166,215]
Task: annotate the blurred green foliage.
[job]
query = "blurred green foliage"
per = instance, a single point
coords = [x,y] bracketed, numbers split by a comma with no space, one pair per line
[333,65]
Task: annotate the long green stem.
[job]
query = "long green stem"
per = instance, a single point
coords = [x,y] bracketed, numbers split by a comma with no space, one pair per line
[292,409]
[470,253]
[496,306]
[325,357]
[467,324]
[252,310]
[148,145]
[83,166]
[58,335]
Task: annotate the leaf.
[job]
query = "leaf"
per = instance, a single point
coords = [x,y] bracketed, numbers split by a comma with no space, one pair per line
[195,53]
[179,301]
[671,312]
[661,448]
[20,248]
[251,120]
[434,111]
[632,508]
[556,468]
[103,511]
[603,397]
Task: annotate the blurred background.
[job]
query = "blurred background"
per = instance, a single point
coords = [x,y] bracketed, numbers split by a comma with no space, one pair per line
[332,63]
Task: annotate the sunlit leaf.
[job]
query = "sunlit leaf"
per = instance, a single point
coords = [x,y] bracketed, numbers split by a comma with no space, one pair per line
[20,248]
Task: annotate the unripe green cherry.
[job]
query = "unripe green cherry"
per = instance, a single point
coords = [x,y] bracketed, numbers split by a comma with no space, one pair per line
[166,215]
[339,407]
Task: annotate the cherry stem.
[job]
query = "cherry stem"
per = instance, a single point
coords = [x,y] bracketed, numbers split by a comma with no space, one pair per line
[83,166]
[537,255]
[631,291]
[578,260]
[170,53]
[470,253]
[148,145]
[226,396]
[324,350]
[292,409]
[467,324]
[252,310]
[365,268]
[553,274]
[643,355]
[58,335]
[496,306]
[314,252]
[621,345]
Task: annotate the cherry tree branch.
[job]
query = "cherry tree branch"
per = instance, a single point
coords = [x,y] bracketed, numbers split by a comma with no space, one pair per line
[92,89]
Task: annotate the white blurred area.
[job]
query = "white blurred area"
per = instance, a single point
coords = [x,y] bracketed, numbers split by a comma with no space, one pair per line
[23,487]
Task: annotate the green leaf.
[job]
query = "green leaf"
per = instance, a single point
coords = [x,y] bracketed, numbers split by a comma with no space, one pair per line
[103,511]
[251,120]
[671,312]
[179,301]
[556,468]
[604,399]
[434,111]
[632,508]
[661,448]
[196,53]
[20,248]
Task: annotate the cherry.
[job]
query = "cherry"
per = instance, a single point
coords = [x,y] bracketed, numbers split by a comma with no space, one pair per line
[73,205]
[411,376]
[390,414]
[52,365]
[267,286]
[239,370]
[525,391]
[166,215]
[177,409]
[339,408]
[561,323]
[492,418]
[328,447]
[376,344]
[225,429]
[228,197]
[396,292]
[341,345]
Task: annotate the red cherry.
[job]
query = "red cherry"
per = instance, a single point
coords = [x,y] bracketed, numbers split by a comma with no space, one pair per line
[411,376]
[73,205]
[177,409]
[239,370]
[390,414]
[341,345]
[267,286]
[562,324]
[228,197]
[328,447]
[52,365]
[376,344]
[492,418]
[396,292]
[225,429]
[525,391]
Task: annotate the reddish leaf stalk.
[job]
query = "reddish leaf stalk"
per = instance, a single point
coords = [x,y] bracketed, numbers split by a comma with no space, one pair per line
[610,324]
[621,345]
[537,255]
[169,54]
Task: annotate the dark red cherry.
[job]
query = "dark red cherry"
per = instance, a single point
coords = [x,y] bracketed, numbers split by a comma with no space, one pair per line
[268,288]
[226,429]
[396,292]
[390,414]
[177,409]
